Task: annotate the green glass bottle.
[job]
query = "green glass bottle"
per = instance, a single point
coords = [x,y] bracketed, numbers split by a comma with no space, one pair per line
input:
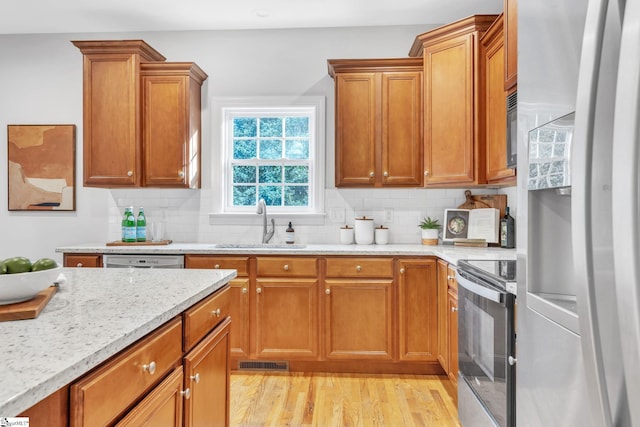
[141,226]
[124,224]
[130,226]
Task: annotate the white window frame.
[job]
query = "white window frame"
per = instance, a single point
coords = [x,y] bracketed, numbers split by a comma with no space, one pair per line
[224,107]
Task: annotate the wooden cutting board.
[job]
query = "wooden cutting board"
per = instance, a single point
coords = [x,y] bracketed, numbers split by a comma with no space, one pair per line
[497,201]
[151,243]
[27,309]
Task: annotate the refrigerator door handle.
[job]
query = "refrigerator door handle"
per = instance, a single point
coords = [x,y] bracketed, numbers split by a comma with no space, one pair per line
[626,247]
[581,214]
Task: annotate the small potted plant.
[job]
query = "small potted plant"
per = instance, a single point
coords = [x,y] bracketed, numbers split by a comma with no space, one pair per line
[430,228]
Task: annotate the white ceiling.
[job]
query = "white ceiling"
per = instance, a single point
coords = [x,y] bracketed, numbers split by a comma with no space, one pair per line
[73,16]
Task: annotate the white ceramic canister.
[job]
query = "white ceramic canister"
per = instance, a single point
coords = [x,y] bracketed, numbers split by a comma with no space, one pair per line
[382,235]
[346,235]
[364,230]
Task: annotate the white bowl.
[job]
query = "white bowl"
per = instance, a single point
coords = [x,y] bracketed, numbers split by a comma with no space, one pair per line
[20,287]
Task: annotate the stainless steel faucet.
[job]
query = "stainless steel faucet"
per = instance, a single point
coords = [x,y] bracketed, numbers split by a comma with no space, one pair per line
[262,210]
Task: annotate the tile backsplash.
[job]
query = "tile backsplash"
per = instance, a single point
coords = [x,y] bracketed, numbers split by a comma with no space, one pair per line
[186,213]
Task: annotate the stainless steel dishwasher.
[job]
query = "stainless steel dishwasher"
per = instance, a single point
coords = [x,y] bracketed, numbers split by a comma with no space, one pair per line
[143,261]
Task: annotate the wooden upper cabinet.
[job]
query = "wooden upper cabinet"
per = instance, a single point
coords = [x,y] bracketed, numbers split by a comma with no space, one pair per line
[454,148]
[511,44]
[119,107]
[171,93]
[494,103]
[378,127]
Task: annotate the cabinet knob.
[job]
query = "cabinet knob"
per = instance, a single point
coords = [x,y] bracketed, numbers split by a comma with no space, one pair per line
[216,266]
[181,174]
[385,174]
[216,312]
[244,290]
[79,264]
[259,290]
[130,173]
[402,270]
[454,309]
[426,173]
[449,277]
[512,360]
[358,268]
[186,393]
[371,174]
[151,368]
[327,291]
[195,378]
[286,267]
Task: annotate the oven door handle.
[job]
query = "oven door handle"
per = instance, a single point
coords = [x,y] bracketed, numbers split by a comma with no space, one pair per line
[478,289]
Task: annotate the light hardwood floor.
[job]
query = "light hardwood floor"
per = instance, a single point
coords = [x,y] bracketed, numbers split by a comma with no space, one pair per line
[340,400]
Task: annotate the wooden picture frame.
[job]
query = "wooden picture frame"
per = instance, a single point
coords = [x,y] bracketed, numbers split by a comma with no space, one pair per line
[41,167]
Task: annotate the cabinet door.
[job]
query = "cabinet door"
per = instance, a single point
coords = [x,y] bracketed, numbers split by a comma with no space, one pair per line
[160,408]
[286,318]
[443,315]
[165,133]
[359,319]
[82,260]
[355,128]
[417,306]
[206,370]
[495,109]
[111,123]
[449,111]
[402,128]
[171,123]
[453,337]
[239,311]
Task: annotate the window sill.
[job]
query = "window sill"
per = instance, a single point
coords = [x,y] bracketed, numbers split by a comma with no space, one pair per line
[255,219]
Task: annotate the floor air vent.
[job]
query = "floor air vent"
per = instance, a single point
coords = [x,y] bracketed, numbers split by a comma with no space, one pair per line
[254,365]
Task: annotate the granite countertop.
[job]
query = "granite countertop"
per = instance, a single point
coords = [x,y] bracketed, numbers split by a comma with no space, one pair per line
[95,314]
[449,253]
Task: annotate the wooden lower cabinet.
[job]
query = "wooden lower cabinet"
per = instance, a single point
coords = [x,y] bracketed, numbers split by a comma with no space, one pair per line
[286,313]
[206,375]
[443,315]
[453,336]
[82,260]
[162,407]
[417,309]
[358,318]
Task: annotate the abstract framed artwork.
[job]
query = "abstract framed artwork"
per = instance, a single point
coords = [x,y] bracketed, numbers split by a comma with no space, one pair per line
[41,168]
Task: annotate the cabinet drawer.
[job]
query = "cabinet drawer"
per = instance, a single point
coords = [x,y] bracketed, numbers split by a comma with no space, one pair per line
[89,260]
[287,267]
[452,283]
[241,264]
[101,396]
[203,317]
[359,267]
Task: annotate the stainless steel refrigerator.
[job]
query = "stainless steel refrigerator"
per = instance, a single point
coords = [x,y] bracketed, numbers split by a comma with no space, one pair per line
[578,245]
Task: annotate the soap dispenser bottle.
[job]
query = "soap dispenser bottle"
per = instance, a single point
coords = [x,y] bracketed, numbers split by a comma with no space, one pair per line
[290,234]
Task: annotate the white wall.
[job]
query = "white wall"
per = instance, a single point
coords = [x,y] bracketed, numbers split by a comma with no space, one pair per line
[41,83]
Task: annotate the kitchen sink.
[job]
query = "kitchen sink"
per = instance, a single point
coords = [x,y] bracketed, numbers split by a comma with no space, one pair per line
[258,246]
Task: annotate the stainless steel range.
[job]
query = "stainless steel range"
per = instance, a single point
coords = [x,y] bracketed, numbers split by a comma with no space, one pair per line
[486,343]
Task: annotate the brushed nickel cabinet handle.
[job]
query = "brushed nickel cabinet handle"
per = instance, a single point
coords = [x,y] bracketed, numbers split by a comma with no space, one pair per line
[216,266]
[151,368]
[358,268]
[259,290]
[386,174]
[186,393]
[286,267]
[79,264]
[327,291]
[130,173]
[371,174]
[181,174]
[402,270]
[195,378]
[216,312]
[454,309]
[244,290]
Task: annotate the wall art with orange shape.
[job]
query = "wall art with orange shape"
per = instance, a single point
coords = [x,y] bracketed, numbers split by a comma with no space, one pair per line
[41,168]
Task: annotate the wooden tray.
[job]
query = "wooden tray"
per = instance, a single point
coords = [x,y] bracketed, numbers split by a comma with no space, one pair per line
[151,243]
[27,309]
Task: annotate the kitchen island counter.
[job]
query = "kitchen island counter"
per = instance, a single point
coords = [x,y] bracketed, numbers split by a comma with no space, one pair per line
[451,254]
[95,314]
